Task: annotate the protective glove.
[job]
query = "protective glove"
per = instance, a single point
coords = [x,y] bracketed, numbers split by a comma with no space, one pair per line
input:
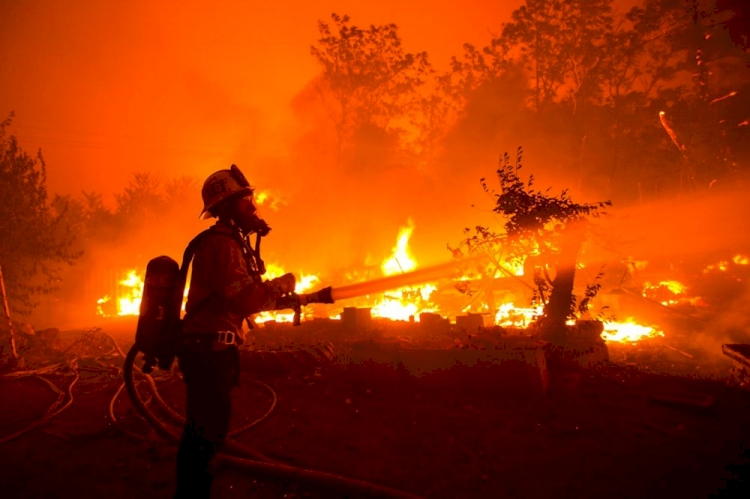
[284,284]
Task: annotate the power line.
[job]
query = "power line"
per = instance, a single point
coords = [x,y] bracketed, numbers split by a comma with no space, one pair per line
[136,144]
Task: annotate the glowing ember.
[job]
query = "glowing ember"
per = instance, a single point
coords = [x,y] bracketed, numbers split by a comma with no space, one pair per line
[628,331]
[670,131]
[719,99]
[741,260]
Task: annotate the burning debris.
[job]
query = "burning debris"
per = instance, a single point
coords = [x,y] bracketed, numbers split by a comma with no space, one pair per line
[410,302]
[628,331]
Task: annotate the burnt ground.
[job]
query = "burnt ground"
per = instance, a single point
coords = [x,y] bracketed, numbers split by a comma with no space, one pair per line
[629,428]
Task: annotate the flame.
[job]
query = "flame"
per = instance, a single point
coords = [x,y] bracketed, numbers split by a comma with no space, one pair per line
[667,292]
[101,301]
[273,271]
[514,266]
[128,300]
[628,331]
[427,290]
[130,293]
[261,197]
[393,308]
[184,298]
[508,315]
[722,266]
[274,316]
[401,259]
[675,287]
[404,303]
[409,302]
[305,282]
[268,199]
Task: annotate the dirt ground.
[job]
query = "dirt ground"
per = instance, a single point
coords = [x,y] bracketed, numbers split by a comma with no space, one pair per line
[620,430]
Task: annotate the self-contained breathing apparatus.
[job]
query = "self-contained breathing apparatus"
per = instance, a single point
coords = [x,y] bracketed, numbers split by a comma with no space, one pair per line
[159,322]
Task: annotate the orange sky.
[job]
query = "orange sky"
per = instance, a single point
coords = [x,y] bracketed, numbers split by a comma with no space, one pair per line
[110,88]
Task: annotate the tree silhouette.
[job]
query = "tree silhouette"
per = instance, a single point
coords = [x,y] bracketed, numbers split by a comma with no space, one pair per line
[563,43]
[36,236]
[547,229]
[368,82]
[446,101]
[142,198]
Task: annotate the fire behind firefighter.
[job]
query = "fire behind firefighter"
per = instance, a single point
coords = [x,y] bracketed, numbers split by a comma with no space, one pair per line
[225,288]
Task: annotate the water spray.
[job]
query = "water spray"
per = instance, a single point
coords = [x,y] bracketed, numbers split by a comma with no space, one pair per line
[421,276]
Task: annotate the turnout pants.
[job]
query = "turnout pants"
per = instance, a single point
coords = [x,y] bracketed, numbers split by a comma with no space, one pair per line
[209,378]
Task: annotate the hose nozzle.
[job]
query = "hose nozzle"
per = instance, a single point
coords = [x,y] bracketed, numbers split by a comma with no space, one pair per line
[324,295]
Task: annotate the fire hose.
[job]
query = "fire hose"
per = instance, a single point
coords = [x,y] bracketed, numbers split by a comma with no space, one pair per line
[57,407]
[241,456]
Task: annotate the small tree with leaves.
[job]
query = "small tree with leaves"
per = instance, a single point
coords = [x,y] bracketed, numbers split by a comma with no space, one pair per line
[36,235]
[543,229]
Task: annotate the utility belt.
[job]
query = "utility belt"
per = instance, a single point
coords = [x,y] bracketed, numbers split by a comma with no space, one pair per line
[215,341]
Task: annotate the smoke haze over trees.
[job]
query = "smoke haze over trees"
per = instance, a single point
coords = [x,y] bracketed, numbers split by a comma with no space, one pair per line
[388,131]
[636,105]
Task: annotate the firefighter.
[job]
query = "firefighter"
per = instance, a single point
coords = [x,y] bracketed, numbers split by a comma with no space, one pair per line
[225,288]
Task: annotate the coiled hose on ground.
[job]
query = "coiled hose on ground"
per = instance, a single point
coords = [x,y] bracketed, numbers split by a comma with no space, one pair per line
[246,459]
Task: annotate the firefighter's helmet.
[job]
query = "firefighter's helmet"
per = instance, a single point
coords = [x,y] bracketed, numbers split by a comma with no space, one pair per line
[222,186]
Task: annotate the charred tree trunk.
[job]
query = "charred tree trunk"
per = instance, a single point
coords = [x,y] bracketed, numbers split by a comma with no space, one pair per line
[561,301]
